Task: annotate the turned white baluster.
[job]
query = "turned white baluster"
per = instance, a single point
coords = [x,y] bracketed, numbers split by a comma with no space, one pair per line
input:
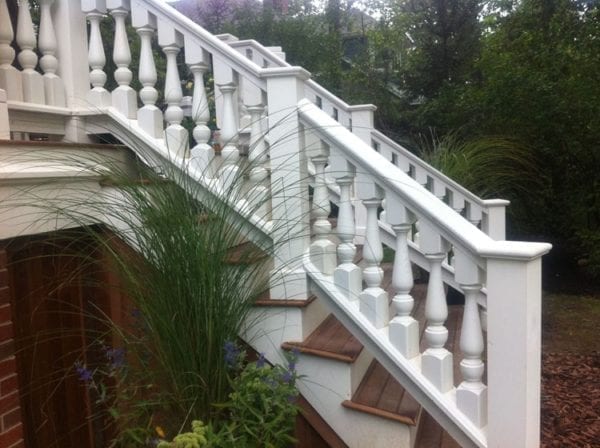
[176,137]
[404,329]
[257,156]
[373,300]
[149,116]
[383,214]
[123,97]
[347,276]
[53,85]
[229,137]
[33,83]
[436,361]
[471,394]
[10,77]
[98,95]
[322,250]
[203,154]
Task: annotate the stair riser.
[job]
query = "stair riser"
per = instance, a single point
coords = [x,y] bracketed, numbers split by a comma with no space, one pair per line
[272,326]
[325,385]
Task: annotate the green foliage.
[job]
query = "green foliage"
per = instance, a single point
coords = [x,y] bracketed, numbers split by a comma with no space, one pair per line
[261,410]
[194,439]
[490,167]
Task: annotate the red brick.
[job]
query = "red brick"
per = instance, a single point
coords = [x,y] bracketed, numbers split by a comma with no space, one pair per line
[9,402]
[9,384]
[19,444]
[7,349]
[12,436]
[11,418]
[5,313]
[4,277]
[4,295]
[6,332]
[8,366]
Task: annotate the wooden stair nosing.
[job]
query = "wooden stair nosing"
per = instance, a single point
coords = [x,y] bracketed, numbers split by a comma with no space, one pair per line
[316,352]
[285,303]
[379,412]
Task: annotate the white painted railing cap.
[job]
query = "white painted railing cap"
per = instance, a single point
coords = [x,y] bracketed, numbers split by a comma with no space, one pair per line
[515,250]
[362,107]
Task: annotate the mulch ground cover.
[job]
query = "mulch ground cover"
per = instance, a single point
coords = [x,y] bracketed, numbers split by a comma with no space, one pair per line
[571,400]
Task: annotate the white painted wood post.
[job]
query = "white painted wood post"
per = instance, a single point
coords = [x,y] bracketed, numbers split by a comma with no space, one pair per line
[347,276]
[514,343]
[124,98]
[258,159]
[471,394]
[53,85]
[374,303]
[202,153]
[494,218]
[98,96]
[4,123]
[229,136]
[149,117]
[10,78]
[436,362]
[404,329]
[33,83]
[322,250]
[176,137]
[289,186]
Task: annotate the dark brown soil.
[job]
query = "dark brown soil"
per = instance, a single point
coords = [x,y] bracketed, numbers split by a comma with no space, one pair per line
[571,372]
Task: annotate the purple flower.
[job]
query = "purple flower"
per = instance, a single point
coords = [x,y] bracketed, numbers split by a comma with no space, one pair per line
[287,376]
[83,373]
[261,361]
[231,354]
[116,356]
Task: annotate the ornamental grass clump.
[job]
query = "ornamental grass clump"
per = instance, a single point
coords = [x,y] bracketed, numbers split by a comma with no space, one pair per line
[180,256]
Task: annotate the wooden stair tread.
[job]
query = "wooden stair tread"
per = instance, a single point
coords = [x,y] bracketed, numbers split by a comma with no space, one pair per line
[265,300]
[380,394]
[245,253]
[329,340]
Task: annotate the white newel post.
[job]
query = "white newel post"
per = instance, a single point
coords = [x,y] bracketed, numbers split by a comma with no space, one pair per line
[202,153]
[289,186]
[322,250]
[176,137]
[471,394]
[257,157]
[404,329]
[347,276]
[374,302]
[33,83]
[494,218]
[229,137]
[4,124]
[514,344]
[436,360]
[123,97]
[53,85]
[10,77]
[98,96]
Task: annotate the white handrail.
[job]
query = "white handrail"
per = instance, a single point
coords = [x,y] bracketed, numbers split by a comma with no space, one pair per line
[450,224]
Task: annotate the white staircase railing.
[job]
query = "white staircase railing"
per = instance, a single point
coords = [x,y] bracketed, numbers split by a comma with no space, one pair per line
[309,130]
[478,262]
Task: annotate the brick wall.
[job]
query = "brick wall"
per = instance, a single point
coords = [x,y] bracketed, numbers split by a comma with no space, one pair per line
[11,428]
